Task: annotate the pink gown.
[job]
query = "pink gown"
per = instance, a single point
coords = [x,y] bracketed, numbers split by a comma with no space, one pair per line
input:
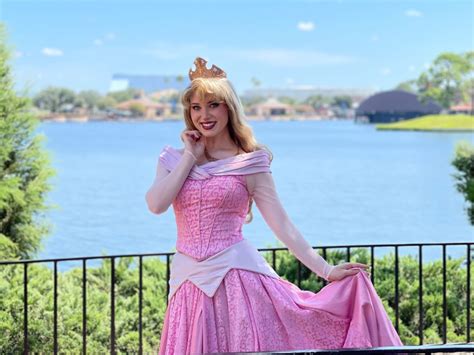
[252,311]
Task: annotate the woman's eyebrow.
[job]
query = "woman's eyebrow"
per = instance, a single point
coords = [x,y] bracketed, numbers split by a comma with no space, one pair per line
[209,102]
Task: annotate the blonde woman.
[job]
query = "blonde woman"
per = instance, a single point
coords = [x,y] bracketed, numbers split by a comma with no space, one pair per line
[224,297]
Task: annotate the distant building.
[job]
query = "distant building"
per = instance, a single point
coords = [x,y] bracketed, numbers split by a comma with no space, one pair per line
[148,83]
[304,110]
[302,93]
[165,95]
[171,96]
[466,109]
[269,108]
[394,105]
[151,109]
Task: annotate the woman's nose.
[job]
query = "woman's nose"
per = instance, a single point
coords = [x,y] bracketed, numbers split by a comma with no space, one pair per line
[205,112]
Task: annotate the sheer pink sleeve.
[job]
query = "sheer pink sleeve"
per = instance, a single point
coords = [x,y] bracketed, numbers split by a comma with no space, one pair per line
[262,189]
[172,170]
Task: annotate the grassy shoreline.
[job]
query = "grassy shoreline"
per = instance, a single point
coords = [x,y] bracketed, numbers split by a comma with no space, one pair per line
[432,123]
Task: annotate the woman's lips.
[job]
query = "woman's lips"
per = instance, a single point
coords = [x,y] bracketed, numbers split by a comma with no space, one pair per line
[208,125]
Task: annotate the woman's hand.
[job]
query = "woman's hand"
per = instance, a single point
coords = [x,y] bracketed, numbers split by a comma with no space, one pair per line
[193,142]
[347,269]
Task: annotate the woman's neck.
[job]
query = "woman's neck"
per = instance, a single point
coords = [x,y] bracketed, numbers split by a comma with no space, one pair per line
[220,143]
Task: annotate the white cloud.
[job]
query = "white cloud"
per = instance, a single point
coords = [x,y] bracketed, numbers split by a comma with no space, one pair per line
[305,26]
[52,52]
[386,71]
[374,38]
[413,13]
[17,54]
[426,65]
[98,42]
[411,68]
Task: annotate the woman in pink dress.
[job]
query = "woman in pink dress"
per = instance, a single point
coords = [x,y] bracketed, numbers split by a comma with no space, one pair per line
[224,297]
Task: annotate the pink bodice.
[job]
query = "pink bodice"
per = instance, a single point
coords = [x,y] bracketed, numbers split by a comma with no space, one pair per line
[210,214]
[212,205]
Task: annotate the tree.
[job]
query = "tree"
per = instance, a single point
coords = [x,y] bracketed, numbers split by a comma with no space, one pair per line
[124,95]
[408,86]
[106,102]
[344,102]
[56,99]
[316,101]
[467,88]
[288,100]
[90,99]
[464,163]
[248,101]
[24,170]
[137,110]
[445,80]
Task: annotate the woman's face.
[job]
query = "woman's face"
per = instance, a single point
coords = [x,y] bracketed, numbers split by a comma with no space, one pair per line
[209,115]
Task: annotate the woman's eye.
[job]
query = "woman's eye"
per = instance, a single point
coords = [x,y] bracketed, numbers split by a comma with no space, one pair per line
[214,104]
[195,108]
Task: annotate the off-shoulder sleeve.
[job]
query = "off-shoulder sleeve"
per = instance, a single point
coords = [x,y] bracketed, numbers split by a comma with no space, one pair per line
[169,157]
[244,164]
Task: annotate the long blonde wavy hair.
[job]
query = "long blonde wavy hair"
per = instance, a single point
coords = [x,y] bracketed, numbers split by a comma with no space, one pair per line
[240,131]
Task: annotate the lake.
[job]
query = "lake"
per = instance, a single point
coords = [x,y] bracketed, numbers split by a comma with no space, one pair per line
[340,182]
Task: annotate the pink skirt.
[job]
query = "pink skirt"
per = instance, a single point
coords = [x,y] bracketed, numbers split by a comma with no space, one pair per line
[255,312]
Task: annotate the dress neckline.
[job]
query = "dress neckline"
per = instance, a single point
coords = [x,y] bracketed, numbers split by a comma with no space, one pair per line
[223,160]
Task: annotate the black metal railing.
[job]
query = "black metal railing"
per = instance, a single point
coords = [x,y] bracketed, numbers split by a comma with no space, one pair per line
[273,251]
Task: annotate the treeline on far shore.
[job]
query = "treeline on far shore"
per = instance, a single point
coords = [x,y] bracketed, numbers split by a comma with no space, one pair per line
[61,102]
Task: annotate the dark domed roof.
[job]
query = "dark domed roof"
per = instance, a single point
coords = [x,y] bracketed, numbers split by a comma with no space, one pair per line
[396,101]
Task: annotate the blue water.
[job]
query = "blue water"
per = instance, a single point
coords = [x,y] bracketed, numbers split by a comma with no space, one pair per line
[340,182]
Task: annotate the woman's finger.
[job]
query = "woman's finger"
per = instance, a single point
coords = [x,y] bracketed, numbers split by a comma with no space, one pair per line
[192,135]
[359,265]
[352,271]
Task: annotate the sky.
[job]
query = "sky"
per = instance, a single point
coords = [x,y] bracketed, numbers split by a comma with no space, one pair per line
[371,45]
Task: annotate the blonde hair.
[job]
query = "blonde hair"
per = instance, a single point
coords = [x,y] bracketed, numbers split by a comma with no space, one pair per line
[240,132]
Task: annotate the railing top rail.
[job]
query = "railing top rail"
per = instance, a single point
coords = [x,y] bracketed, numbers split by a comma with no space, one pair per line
[384,245]
[96,257]
[442,348]
[80,258]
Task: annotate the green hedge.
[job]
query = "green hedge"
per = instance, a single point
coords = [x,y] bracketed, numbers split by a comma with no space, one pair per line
[40,301]
[40,307]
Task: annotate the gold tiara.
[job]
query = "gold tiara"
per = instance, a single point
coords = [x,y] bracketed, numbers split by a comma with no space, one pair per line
[202,71]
